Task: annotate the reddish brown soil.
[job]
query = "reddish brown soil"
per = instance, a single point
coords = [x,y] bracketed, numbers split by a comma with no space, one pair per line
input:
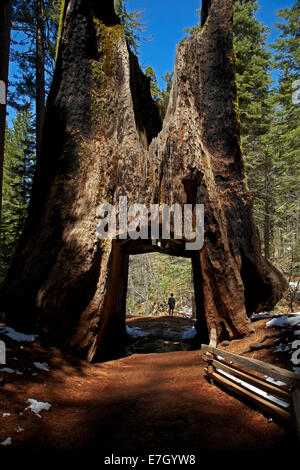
[137,404]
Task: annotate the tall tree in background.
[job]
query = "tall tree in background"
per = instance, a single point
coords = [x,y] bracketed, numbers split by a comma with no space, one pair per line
[5,27]
[161,97]
[35,23]
[40,72]
[19,167]
[253,74]
[133,23]
[286,133]
[155,90]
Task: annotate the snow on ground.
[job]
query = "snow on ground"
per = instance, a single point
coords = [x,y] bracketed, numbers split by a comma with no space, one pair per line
[258,391]
[42,366]
[189,333]
[5,414]
[283,347]
[8,370]
[287,321]
[185,310]
[15,335]
[284,321]
[7,442]
[295,285]
[136,332]
[274,381]
[37,406]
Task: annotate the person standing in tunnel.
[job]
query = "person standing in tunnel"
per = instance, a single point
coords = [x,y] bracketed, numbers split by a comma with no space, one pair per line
[171,303]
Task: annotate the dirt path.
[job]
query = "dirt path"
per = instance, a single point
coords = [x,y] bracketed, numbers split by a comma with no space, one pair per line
[138,404]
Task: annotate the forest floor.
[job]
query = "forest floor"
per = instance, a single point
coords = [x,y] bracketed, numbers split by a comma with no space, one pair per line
[145,402]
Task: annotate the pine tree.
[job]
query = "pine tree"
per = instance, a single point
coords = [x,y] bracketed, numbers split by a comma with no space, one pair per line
[19,164]
[194,29]
[155,90]
[133,23]
[5,28]
[165,94]
[286,134]
[256,110]
[33,50]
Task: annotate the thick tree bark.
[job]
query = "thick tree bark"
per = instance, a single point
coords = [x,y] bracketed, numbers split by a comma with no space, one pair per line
[5,27]
[40,73]
[103,139]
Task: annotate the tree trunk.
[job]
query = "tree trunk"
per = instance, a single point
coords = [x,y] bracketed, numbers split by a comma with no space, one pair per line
[267,207]
[40,74]
[103,139]
[5,27]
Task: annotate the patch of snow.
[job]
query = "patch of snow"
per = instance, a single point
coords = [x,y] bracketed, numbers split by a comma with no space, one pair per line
[136,332]
[7,442]
[220,358]
[255,389]
[11,371]
[41,365]
[8,370]
[19,429]
[284,321]
[15,335]
[189,333]
[262,316]
[37,406]
[282,348]
[274,381]
[5,414]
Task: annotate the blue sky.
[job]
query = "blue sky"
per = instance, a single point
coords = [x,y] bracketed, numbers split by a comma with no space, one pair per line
[167,20]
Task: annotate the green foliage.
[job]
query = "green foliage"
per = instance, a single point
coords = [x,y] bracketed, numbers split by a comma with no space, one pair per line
[19,164]
[252,68]
[133,23]
[161,97]
[152,277]
[155,90]
[270,125]
[285,132]
[256,110]
[194,29]
[23,47]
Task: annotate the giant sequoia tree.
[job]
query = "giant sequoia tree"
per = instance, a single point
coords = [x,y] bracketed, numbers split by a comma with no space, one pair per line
[103,138]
